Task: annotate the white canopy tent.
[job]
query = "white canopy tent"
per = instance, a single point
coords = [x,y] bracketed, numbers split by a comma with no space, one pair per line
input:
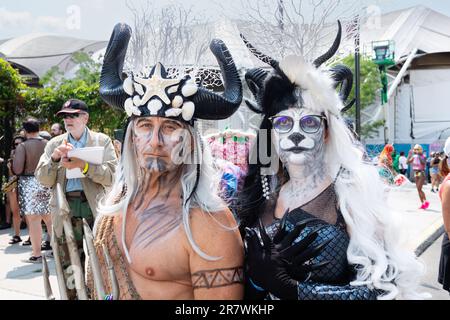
[418,110]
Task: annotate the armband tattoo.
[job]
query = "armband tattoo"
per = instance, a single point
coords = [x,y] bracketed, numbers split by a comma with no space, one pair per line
[217,278]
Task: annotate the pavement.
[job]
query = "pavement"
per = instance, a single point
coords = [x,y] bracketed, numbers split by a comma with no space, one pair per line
[20,280]
[23,281]
[419,228]
[429,281]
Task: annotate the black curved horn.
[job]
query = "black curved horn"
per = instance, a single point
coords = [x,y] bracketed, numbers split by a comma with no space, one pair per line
[253,106]
[257,77]
[334,48]
[255,81]
[211,106]
[261,56]
[111,83]
[344,76]
[348,106]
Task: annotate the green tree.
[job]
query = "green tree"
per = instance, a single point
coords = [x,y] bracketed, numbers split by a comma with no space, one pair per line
[370,86]
[11,87]
[44,102]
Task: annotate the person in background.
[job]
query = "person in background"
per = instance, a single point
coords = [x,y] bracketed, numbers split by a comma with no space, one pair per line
[46,243]
[56,129]
[11,207]
[428,167]
[385,164]
[12,201]
[45,135]
[442,157]
[434,172]
[79,195]
[33,197]
[117,147]
[418,162]
[402,163]
[117,142]
[395,162]
[444,194]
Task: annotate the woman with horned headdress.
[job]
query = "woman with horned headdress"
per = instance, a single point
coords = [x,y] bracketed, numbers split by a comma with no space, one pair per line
[167,232]
[313,213]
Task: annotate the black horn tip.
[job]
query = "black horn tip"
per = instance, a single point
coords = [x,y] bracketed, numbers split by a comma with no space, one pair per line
[216,42]
[119,40]
[220,50]
[334,48]
[261,56]
[253,106]
[121,28]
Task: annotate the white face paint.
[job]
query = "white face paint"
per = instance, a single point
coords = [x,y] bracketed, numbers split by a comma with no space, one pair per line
[298,147]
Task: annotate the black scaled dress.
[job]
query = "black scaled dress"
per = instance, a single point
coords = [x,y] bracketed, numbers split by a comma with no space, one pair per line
[331,282]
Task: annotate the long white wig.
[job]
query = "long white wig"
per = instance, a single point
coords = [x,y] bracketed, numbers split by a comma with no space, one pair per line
[375,240]
[204,197]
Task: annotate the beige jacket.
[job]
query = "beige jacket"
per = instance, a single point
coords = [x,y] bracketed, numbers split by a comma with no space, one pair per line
[98,178]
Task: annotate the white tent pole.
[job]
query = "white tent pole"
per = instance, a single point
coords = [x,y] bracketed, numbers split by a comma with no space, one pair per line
[402,72]
[389,134]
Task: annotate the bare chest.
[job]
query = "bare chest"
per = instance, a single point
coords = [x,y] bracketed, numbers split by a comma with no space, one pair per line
[156,245]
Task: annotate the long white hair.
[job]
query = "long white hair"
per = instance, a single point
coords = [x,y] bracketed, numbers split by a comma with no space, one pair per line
[375,234]
[204,197]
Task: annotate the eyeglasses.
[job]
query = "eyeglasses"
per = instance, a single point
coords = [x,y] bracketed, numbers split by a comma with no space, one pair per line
[16,144]
[309,123]
[70,115]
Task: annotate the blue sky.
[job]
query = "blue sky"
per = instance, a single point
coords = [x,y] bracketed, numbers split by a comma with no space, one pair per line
[94,19]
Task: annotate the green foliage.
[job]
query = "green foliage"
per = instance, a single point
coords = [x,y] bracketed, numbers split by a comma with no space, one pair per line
[44,102]
[370,87]
[10,88]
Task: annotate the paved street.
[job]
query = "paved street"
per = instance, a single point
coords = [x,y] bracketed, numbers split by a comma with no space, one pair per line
[19,280]
[429,283]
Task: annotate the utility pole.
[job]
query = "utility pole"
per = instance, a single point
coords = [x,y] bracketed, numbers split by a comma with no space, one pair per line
[281,23]
[281,11]
[357,79]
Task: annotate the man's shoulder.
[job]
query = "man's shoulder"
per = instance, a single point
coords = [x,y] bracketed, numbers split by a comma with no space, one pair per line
[216,233]
[222,220]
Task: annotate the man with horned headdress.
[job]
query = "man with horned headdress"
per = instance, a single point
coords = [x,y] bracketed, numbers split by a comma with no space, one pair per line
[163,230]
[313,212]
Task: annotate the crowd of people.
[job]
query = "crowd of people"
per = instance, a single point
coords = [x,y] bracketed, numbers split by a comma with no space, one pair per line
[299,228]
[27,202]
[433,169]
[396,167]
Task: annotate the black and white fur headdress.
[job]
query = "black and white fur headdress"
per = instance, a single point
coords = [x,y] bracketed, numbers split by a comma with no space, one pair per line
[154,94]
